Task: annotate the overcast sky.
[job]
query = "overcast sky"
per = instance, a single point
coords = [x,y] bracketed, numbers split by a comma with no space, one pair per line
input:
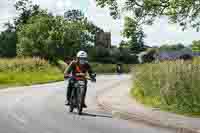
[160,33]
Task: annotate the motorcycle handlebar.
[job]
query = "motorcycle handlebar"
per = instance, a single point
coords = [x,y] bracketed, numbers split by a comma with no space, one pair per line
[87,78]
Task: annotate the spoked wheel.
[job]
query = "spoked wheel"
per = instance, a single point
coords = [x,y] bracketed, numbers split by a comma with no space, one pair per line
[80,101]
[72,102]
[80,109]
[71,108]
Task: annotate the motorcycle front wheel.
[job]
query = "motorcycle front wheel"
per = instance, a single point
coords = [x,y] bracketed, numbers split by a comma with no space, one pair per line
[72,102]
[80,100]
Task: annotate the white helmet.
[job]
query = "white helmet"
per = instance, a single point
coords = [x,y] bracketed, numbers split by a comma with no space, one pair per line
[81,54]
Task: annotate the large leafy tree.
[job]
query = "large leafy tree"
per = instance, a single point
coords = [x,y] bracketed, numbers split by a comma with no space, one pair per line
[8,38]
[78,16]
[33,36]
[48,37]
[134,33]
[38,33]
[184,12]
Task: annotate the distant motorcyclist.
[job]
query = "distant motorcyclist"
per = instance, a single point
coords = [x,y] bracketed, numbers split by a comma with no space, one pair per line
[76,67]
[119,68]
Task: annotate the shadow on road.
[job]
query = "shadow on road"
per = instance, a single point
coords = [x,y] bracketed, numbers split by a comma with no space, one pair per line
[96,115]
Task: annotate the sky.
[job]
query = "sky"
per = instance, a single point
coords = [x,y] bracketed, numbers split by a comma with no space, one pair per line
[160,33]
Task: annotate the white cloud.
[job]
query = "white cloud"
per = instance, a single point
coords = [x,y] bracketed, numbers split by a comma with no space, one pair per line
[59,4]
[162,32]
[68,3]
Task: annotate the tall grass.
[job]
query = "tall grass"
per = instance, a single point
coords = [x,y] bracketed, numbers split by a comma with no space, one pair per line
[23,64]
[27,71]
[173,86]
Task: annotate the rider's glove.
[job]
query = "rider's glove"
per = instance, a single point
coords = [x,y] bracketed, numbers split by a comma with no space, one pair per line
[66,77]
[93,79]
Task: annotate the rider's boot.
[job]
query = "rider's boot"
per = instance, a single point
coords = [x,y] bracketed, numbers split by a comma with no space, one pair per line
[66,102]
[84,105]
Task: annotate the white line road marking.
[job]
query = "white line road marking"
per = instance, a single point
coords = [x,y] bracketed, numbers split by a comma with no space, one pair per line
[14,115]
[19,118]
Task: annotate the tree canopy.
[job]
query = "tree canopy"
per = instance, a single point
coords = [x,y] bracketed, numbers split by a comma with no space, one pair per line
[135,35]
[183,12]
[174,47]
[196,46]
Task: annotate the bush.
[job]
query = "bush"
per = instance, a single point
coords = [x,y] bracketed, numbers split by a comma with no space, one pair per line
[149,56]
[172,86]
[186,57]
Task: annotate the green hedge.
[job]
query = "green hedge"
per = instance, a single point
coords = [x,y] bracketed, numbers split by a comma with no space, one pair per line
[109,68]
[172,86]
[101,68]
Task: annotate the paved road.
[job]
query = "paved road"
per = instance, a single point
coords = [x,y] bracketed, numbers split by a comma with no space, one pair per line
[40,109]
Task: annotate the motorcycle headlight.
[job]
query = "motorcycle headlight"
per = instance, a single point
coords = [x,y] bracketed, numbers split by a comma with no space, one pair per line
[81,82]
[76,85]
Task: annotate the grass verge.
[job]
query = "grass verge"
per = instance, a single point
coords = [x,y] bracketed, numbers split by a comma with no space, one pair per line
[170,86]
[27,71]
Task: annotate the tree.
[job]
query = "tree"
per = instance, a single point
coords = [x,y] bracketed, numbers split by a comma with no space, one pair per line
[34,37]
[74,15]
[184,12]
[26,9]
[42,34]
[196,46]
[8,41]
[123,44]
[7,44]
[134,33]
[175,47]
[8,38]
[51,37]
[88,36]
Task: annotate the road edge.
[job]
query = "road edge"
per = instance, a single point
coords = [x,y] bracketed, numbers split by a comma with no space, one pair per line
[116,113]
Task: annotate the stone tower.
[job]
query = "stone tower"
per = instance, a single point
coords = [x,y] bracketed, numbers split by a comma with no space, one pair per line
[103,39]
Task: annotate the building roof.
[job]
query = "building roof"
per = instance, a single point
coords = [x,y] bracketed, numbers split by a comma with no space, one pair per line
[174,54]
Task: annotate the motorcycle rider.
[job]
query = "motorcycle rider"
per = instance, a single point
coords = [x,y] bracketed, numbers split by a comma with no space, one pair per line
[78,66]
